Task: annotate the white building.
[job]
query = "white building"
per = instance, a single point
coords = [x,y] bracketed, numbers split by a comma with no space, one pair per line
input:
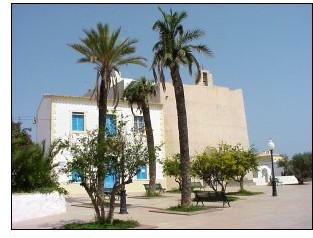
[65,117]
[264,173]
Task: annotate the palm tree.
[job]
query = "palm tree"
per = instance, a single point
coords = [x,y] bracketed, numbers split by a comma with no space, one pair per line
[138,92]
[104,49]
[173,49]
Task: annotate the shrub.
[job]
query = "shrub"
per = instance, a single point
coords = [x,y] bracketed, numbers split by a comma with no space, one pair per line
[32,168]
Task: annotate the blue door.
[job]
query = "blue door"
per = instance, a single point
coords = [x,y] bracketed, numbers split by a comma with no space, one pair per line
[109,180]
[75,176]
[142,172]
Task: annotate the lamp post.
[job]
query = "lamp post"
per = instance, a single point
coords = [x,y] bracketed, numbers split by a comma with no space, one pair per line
[123,206]
[271,146]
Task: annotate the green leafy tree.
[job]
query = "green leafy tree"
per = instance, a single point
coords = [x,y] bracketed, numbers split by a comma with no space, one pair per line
[284,162]
[171,168]
[301,166]
[123,154]
[20,137]
[245,161]
[174,49]
[215,166]
[139,92]
[32,169]
[103,48]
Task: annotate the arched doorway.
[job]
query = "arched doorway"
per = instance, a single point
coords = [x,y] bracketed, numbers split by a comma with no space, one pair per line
[265,174]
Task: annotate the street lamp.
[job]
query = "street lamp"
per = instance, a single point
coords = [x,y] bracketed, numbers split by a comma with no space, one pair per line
[271,146]
[123,206]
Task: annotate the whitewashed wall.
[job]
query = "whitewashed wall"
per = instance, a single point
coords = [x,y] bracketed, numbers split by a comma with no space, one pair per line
[29,206]
[61,123]
[43,121]
[156,115]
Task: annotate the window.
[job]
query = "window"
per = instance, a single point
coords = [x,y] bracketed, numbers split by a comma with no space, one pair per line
[142,172]
[138,123]
[77,121]
[110,125]
[75,176]
[205,79]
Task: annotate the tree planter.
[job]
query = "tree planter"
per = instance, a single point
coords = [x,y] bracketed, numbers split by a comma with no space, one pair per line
[34,205]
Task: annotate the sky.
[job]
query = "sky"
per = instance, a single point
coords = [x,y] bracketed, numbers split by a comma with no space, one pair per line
[263,49]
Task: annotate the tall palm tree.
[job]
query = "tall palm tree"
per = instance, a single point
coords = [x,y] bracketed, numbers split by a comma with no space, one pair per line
[103,48]
[138,92]
[173,49]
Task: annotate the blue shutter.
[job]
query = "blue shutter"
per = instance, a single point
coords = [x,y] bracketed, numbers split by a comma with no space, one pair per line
[109,180]
[111,177]
[75,176]
[110,125]
[77,121]
[142,172]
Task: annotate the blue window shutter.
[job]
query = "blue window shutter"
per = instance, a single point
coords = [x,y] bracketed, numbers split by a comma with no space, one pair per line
[75,176]
[77,121]
[142,172]
[110,125]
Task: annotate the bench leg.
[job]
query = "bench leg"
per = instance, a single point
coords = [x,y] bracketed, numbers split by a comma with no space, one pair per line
[225,203]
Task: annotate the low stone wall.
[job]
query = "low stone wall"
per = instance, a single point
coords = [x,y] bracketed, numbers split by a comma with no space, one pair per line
[34,205]
[283,179]
[287,179]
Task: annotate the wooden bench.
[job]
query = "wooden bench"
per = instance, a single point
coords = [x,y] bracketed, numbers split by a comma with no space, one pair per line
[210,196]
[108,191]
[195,185]
[158,187]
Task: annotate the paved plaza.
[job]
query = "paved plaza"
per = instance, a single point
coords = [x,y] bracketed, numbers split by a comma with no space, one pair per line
[291,209]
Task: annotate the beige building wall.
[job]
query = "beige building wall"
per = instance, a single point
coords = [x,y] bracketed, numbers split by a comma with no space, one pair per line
[214,114]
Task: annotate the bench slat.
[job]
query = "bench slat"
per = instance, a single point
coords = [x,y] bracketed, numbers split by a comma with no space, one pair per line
[194,185]
[158,187]
[211,196]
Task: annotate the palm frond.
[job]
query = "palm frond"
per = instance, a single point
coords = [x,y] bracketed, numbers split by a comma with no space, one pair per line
[202,49]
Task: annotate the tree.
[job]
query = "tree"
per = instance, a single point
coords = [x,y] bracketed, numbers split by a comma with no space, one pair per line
[245,161]
[217,166]
[139,92]
[172,50]
[32,168]
[214,166]
[123,154]
[301,166]
[20,137]
[103,48]
[284,162]
[171,168]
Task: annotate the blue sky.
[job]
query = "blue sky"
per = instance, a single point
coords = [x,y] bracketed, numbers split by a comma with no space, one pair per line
[266,50]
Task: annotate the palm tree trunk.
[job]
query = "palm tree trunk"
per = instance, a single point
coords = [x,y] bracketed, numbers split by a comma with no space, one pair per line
[183,136]
[101,138]
[151,149]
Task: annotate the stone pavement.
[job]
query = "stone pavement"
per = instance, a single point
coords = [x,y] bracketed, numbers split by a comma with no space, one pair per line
[291,209]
